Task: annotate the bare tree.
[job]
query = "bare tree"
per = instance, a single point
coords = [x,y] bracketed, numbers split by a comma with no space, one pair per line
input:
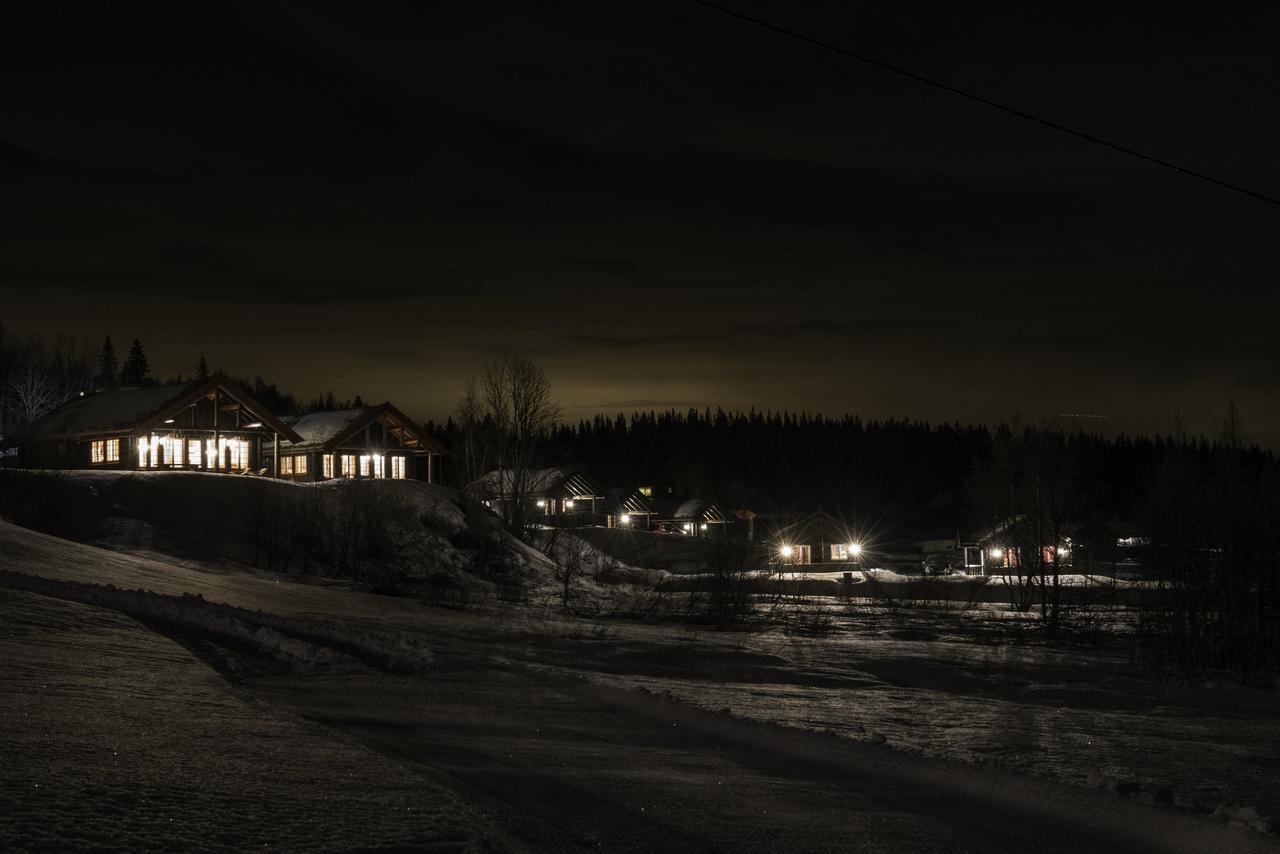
[471,448]
[36,376]
[1031,492]
[517,397]
[32,392]
[565,551]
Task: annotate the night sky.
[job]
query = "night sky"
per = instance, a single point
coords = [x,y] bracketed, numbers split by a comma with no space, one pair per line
[663,206]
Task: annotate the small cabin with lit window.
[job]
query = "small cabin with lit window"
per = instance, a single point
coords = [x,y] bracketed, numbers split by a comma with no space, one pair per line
[374,442]
[818,538]
[629,508]
[690,516]
[211,425]
[562,496]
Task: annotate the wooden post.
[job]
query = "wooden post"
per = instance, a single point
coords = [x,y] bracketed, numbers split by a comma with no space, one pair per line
[430,460]
[217,435]
[275,454]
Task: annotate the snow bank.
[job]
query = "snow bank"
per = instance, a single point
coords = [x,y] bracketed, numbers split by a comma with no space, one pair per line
[302,643]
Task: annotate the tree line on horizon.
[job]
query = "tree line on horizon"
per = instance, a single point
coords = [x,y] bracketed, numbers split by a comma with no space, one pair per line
[39,374]
[888,472]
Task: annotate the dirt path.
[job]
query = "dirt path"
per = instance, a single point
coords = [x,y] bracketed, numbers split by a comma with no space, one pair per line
[561,763]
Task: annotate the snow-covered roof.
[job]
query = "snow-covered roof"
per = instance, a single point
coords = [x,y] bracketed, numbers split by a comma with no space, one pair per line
[316,428]
[696,509]
[329,429]
[499,483]
[105,411]
[123,409]
[627,501]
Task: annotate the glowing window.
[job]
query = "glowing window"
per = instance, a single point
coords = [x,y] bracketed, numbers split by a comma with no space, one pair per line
[98,451]
[173,447]
[299,465]
[364,466]
[646,491]
[237,453]
[397,468]
[379,466]
[193,452]
[326,464]
[348,465]
[286,465]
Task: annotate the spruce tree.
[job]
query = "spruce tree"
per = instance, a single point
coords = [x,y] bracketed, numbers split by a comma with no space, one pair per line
[202,370]
[136,371]
[108,365]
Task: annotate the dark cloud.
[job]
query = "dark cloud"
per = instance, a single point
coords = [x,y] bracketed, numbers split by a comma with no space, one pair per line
[666,207]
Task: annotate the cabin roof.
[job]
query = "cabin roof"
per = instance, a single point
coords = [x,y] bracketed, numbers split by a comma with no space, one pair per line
[817,527]
[119,410]
[627,501]
[331,430]
[498,483]
[689,509]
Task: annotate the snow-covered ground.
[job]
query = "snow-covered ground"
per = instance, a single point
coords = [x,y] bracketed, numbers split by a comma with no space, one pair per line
[568,734]
[116,738]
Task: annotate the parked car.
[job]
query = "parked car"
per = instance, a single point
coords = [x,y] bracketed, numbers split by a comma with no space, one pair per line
[940,564]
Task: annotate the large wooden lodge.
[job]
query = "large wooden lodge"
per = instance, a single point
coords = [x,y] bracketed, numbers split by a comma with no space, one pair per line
[215,426]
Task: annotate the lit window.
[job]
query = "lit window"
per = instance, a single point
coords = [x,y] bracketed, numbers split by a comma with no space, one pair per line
[173,447]
[113,450]
[193,453]
[326,463]
[364,466]
[646,491]
[143,452]
[348,465]
[379,466]
[299,465]
[839,551]
[397,468]
[795,554]
[286,465]
[98,451]
[235,452]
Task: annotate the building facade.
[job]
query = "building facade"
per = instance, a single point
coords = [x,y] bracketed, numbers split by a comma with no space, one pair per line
[205,426]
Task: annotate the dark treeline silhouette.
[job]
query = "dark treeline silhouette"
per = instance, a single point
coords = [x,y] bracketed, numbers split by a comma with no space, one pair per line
[39,374]
[894,473]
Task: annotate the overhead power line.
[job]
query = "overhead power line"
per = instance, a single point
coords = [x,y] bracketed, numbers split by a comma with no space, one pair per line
[1005,108]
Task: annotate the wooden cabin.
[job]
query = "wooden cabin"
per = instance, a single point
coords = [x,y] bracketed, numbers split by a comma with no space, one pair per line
[210,425]
[377,442]
[629,508]
[694,517]
[818,538]
[560,496]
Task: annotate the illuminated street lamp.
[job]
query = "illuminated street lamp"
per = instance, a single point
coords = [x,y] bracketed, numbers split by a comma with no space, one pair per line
[855,551]
[786,552]
[625,518]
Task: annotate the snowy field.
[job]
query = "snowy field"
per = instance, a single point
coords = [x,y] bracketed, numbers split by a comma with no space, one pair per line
[228,709]
[116,738]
